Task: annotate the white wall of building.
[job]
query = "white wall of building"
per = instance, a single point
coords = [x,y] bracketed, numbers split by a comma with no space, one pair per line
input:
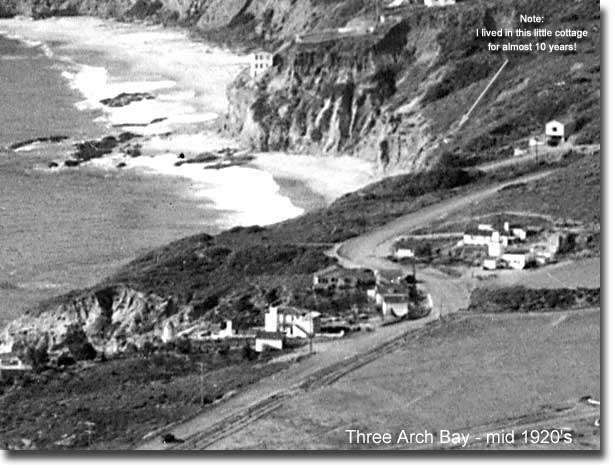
[262,343]
[398,309]
[555,128]
[260,62]
[439,3]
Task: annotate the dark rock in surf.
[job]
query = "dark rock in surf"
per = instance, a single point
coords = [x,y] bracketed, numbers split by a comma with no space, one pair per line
[125,99]
[49,139]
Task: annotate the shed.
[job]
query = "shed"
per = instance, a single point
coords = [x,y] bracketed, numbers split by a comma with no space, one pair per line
[395,304]
[555,132]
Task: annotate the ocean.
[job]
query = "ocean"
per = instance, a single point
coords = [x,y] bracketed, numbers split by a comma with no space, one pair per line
[67,228]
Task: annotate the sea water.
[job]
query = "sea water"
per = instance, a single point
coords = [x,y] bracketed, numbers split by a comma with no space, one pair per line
[68,228]
[64,228]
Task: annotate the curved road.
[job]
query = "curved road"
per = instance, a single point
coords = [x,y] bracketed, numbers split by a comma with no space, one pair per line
[371,249]
[335,358]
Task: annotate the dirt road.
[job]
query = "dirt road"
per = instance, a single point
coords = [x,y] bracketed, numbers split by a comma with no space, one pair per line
[329,361]
[370,250]
[332,360]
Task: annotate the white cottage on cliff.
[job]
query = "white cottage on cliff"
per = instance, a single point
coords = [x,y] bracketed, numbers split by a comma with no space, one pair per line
[260,62]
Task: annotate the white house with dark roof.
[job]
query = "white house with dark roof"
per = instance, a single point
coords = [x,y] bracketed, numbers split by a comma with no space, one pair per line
[555,132]
[335,276]
[395,304]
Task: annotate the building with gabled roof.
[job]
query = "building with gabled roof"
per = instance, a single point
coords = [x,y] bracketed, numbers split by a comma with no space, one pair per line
[395,304]
[292,321]
[337,277]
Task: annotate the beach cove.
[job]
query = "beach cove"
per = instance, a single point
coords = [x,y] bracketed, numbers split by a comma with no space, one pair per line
[65,228]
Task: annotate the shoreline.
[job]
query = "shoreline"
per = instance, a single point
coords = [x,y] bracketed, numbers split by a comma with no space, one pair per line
[300,194]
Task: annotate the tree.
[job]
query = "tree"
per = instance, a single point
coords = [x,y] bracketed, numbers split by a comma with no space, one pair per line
[79,345]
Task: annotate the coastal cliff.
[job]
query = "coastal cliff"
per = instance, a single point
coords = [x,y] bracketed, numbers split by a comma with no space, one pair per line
[395,91]
[394,95]
[391,89]
[107,319]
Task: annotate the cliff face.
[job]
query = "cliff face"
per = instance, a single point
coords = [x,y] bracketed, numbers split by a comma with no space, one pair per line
[238,22]
[396,96]
[107,318]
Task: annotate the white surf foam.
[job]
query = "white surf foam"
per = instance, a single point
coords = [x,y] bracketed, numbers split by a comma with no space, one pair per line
[189,80]
[246,195]
[330,177]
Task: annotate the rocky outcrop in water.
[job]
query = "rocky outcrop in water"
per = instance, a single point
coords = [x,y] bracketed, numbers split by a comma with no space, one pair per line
[49,139]
[92,149]
[124,99]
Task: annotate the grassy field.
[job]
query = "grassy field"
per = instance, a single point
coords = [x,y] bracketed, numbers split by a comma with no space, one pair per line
[463,374]
[119,400]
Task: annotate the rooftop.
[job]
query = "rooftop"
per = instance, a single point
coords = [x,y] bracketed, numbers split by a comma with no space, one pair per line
[395,298]
[269,335]
[475,231]
[297,311]
[518,251]
[340,272]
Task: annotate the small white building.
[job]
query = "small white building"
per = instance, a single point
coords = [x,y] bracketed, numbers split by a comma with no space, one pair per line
[494,248]
[6,342]
[439,3]
[482,235]
[517,231]
[555,132]
[517,259]
[535,141]
[264,339]
[226,332]
[378,292]
[403,253]
[490,263]
[292,321]
[395,304]
[168,332]
[260,62]
[12,362]
[397,4]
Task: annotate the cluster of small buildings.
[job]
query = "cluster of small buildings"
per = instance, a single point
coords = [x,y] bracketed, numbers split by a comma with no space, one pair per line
[387,288]
[510,248]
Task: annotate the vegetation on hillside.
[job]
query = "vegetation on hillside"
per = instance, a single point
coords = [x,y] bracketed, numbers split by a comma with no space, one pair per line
[117,401]
[521,299]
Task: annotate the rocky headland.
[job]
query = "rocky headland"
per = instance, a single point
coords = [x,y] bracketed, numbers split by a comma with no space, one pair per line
[393,95]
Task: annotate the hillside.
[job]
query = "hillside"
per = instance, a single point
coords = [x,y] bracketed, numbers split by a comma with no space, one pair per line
[395,96]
